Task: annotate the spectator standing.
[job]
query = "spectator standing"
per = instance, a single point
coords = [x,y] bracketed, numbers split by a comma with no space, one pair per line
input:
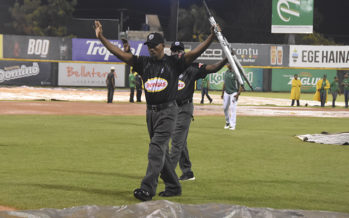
[345,84]
[204,89]
[110,81]
[132,84]
[334,89]
[296,90]
[321,90]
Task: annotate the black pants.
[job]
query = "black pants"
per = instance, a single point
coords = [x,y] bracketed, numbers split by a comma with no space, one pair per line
[323,96]
[204,91]
[293,102]
[346,97]
[179,149]
[110,94]
[160,127]
[139,94]
[334,97]
[132,93]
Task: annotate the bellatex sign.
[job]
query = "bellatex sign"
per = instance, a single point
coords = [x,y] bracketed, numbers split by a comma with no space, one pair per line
[292,16]
[319,56]
[77,74]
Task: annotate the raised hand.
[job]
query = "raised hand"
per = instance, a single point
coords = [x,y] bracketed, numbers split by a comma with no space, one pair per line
[98,28]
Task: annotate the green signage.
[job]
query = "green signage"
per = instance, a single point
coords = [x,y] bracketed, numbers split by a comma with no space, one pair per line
[282,78]
[292,16]
[254,76]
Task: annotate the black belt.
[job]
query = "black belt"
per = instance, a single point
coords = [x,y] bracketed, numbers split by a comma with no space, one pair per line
[183,102]
[159,107]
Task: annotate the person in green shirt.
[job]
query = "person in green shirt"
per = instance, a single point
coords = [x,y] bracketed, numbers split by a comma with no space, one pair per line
[132,84]
[345,84]
[204,89]
[334,89]
[230,95]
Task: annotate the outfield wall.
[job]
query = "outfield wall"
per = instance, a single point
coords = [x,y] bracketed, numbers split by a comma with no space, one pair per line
[85,62]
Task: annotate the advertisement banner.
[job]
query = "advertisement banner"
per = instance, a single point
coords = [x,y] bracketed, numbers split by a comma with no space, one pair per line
[319,56]
[278,55]
[37,47]
[77,74]
[1,46]
[282,79]
[25,73]
[94,50]
[247,54]
[254,76]
[292,16]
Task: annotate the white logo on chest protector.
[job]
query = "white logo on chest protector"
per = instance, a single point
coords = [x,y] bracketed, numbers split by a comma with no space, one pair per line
[156,84]
[181,85]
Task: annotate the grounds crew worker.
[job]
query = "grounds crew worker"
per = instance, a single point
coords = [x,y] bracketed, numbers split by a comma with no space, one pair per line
[110,81]
[179,150]
[160,74]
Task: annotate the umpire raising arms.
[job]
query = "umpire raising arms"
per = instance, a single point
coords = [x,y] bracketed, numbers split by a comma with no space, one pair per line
[160,74]
[179,150]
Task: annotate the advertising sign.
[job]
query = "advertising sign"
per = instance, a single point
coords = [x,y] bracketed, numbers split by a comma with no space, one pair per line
[77,74]
[25,73]
[247,54]
[37,47]
[282,78]
[292,16]
[319,56]
[254,76]
[279,55]
[94,50]
[0,45]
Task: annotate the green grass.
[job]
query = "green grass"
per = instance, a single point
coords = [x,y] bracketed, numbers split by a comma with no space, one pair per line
[66,161]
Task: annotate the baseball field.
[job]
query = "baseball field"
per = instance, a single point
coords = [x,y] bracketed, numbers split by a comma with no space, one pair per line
[60,160]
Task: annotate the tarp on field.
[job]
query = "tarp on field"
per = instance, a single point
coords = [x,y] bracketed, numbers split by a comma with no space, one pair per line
[165,208]
[325,138]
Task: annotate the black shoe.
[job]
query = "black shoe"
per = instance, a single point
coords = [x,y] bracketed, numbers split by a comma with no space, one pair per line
[187,176]
[170,194]
[142,194]
[211,101]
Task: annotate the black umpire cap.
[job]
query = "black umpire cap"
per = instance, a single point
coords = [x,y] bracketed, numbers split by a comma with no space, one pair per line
[177,46]
[153,39]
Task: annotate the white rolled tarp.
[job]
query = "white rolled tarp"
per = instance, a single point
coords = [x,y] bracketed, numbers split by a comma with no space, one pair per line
[164,208]
[325,138]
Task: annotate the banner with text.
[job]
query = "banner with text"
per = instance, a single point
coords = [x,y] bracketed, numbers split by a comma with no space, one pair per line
[292,16]
[282,78]
[319,56]
[247,54]
[77,74]
[37,47]
[25,73]
[254,76]
[94,50]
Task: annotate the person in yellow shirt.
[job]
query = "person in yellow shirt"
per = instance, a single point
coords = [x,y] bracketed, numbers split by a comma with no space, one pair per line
[296,90]
[321,90]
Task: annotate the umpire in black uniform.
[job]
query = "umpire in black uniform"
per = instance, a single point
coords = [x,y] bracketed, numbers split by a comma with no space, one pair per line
[160,74]
[179,150]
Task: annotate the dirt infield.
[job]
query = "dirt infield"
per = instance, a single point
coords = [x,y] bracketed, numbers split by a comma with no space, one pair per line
[67,101]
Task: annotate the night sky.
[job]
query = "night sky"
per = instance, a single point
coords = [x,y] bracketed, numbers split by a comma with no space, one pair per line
[335,13]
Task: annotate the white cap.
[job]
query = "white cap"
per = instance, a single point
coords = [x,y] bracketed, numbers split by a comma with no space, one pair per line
[112,68]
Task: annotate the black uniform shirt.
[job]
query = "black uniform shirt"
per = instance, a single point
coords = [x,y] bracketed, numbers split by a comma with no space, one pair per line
[187,80]
[110,79]
[160,77]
